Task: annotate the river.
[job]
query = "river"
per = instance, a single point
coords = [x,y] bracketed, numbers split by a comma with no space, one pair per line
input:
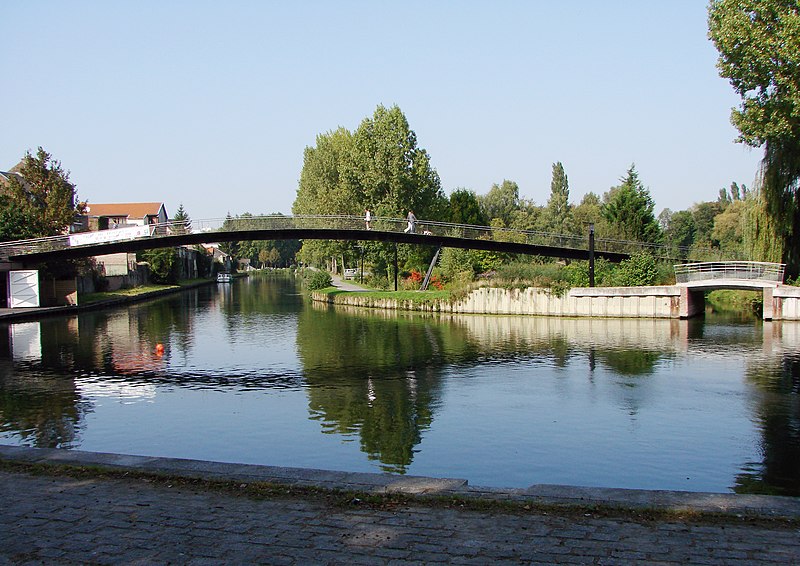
[253,372]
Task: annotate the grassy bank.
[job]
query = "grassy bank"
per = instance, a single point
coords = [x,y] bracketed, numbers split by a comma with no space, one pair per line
[141,291]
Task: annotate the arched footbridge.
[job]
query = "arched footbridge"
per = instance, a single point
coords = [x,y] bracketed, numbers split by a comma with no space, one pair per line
[729,275]
[329,227]
[694,279]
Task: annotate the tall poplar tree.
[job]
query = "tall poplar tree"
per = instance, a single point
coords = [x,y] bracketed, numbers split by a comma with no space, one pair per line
[558,209]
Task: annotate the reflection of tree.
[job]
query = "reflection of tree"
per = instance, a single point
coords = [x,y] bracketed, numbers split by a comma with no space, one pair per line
[630,362]
[376,375]
[263,293]
[778,411]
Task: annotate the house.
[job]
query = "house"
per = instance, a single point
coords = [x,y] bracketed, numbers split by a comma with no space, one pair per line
[106,216]
[218,256]
[120,269]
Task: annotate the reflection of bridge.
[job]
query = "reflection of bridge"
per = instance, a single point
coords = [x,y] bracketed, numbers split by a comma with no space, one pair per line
[349,228]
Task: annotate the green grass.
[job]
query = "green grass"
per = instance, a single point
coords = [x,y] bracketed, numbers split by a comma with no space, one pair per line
[414,296]
[142,290]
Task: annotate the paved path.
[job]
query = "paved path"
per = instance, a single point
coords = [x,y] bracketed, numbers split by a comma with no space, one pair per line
[135,516]
[340,283]
[57,519]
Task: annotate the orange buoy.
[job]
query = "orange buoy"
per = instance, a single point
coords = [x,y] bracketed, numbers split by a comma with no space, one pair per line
[159,349]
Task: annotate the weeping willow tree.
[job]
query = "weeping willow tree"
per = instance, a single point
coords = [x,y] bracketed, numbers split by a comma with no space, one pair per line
[761,233]
[759,52]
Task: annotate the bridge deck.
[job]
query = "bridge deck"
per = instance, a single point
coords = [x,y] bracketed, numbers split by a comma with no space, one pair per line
[348,228]
[730,275]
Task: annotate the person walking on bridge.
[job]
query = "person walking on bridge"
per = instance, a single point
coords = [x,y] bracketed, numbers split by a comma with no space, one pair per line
[412,222]
[368,218]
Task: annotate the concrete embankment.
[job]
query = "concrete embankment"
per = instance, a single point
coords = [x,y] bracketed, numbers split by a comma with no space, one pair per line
[665,301]
[36,313]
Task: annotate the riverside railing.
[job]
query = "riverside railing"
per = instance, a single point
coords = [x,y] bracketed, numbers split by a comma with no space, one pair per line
[730,270]
[337,222]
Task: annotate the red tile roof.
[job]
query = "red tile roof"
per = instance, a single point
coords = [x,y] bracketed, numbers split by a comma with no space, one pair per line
[129,209]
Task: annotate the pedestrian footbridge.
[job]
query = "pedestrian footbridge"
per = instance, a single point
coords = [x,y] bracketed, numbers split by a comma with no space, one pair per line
[729,275]
[781,302]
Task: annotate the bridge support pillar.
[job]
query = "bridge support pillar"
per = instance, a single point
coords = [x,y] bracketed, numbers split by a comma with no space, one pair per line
[769,304]
[691,303]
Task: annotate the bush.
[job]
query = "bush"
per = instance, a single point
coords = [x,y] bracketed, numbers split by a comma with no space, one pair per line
[639,270]
[454,261]
[163,264]
[316,280]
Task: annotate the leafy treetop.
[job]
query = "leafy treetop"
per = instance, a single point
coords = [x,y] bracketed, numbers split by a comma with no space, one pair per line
[37,201]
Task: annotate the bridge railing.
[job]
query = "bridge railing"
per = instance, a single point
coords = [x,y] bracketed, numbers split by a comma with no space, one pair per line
[731,270]
[340,222]
[431,227]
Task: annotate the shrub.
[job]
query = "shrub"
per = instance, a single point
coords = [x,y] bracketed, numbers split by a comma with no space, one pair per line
[163,264]
[639,270]
[316,280]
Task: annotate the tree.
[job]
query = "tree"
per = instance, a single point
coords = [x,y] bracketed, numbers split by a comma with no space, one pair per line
[501,202]
[759,52]
[679,231]
[729,228]
[380,167]
[527,216]
[38,200]
[465,208]
[589,211]
[163,264]
[392,173]
[230,248]
[703,215]
[181,221]
[628,209]
[558,209]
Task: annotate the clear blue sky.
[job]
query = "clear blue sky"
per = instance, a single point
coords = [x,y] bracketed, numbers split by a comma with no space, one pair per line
[211,104]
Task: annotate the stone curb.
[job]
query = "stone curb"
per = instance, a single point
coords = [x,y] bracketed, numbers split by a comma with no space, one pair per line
[38,313]
[760,506]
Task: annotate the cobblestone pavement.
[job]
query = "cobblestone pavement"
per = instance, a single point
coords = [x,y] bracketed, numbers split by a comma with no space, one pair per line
[62,520]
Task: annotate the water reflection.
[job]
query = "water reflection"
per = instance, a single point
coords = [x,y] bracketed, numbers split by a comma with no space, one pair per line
[776,408]
[378,377]
[391,383]
[43,410]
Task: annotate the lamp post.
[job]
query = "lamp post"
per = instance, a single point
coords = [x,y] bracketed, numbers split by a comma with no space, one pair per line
[361,249]
[591,254]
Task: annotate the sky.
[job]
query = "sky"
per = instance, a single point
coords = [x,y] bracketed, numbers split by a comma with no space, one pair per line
[211,104]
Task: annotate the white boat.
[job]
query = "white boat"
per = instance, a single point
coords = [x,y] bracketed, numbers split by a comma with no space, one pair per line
[224,277]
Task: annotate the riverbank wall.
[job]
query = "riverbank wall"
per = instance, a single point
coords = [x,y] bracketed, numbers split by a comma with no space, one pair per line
[782,303]
[27,314]
[663,301]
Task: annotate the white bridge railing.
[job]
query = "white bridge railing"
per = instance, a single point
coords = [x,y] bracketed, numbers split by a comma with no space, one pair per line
[730,270]
[331,222]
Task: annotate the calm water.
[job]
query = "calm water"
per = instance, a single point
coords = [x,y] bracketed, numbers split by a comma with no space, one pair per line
[251,372]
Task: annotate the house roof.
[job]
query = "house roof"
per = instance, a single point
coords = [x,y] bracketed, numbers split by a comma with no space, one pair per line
[129,209]
[13,172]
